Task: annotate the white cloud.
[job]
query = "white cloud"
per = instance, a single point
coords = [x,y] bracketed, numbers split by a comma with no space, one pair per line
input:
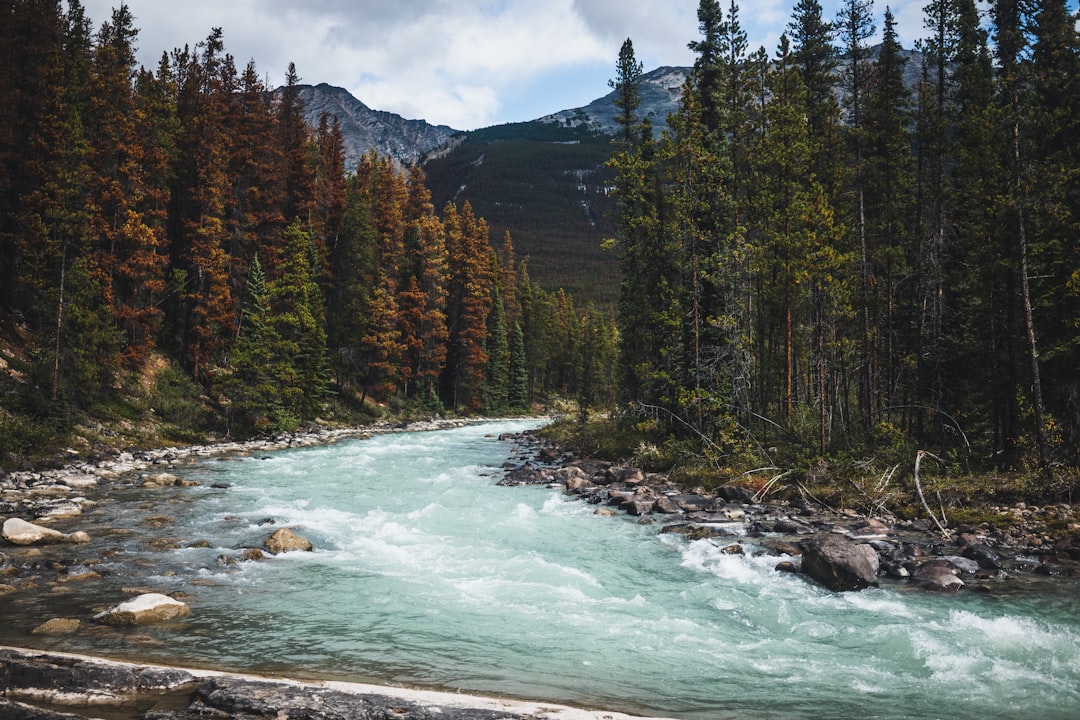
[454,62]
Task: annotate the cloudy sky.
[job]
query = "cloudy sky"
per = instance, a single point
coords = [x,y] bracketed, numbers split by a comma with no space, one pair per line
[460,63]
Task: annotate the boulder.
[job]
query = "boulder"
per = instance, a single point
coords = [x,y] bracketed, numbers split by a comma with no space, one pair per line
[779,547]
[638,506]
[937,574]
[57,626]
[787,526]
[962,565]
[144,610]
[984,556]
[840,564]
[628,475]
[665,506]
[574,479]
[76,538]
[692,502]
[735,493]
[284,540]
[19,532]
[159,480]
[524,475]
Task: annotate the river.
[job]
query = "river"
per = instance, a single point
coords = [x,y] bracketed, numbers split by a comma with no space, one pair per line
[426,573]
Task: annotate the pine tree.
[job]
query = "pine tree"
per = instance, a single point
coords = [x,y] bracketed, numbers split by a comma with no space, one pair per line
[627,90]
[252,384]
[295,307]
[469,300]
[422,300]
[76,344]
[202,208]
[889,193]
[354,273]
[855,26]
[129,261]
[1055,217]
[497,368]
[293,139]
[517,393]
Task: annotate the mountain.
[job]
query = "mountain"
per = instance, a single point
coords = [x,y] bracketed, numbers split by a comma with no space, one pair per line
[548,185]
[544,181]
[660,92]
[364,129]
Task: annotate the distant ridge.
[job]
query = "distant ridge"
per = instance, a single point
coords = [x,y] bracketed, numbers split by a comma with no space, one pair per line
[407,141]
[660,93]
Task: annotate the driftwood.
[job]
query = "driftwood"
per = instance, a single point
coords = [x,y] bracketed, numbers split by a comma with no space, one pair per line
[922,498]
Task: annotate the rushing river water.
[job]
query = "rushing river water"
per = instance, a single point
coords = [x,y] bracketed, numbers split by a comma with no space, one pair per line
[427,573]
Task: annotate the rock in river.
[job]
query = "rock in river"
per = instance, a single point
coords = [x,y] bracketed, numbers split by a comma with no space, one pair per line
[19,532]
[144,610]
[284,540]
[840,564]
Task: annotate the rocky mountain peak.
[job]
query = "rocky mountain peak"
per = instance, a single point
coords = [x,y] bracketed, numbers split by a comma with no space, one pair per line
[390,135]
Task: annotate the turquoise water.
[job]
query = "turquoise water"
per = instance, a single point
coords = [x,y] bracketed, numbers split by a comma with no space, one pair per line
[427,573]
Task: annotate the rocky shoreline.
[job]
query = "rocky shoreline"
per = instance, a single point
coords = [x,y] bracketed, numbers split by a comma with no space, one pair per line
[60,686]
[837,548]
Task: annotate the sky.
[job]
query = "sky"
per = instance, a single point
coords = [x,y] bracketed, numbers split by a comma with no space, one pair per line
[460,63]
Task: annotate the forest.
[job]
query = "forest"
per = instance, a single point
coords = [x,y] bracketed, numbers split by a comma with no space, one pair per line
[178,245]
[820,261]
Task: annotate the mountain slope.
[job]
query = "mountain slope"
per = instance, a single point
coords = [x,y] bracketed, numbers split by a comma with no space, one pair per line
[547,185]
[364,129]
[660,92]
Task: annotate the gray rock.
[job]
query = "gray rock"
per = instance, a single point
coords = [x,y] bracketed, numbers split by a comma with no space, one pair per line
[984,556]
[735,493]
[144,610]
[937,574]
[840,564]
[665,506]
[963,565]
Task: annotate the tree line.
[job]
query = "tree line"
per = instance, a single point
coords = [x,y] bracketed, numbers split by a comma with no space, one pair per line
[187,212]
[821,258]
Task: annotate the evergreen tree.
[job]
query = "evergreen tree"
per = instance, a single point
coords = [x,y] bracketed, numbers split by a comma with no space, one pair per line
[129,261]
[889,205]
[1055,216]
[627,90]
[497,369]
[469,301]
[517,392]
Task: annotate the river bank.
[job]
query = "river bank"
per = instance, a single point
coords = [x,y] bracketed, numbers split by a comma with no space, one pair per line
[61,686]
[838,547]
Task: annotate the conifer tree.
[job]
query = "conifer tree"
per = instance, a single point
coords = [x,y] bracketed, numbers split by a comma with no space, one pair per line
[517,393]
[129,260]
[202,208]
[354,273]
[497,368]
[628,71]
[1055,128]
[889,192]
[469,301]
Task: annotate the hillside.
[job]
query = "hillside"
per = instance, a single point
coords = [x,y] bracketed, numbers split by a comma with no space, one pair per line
[545,184]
